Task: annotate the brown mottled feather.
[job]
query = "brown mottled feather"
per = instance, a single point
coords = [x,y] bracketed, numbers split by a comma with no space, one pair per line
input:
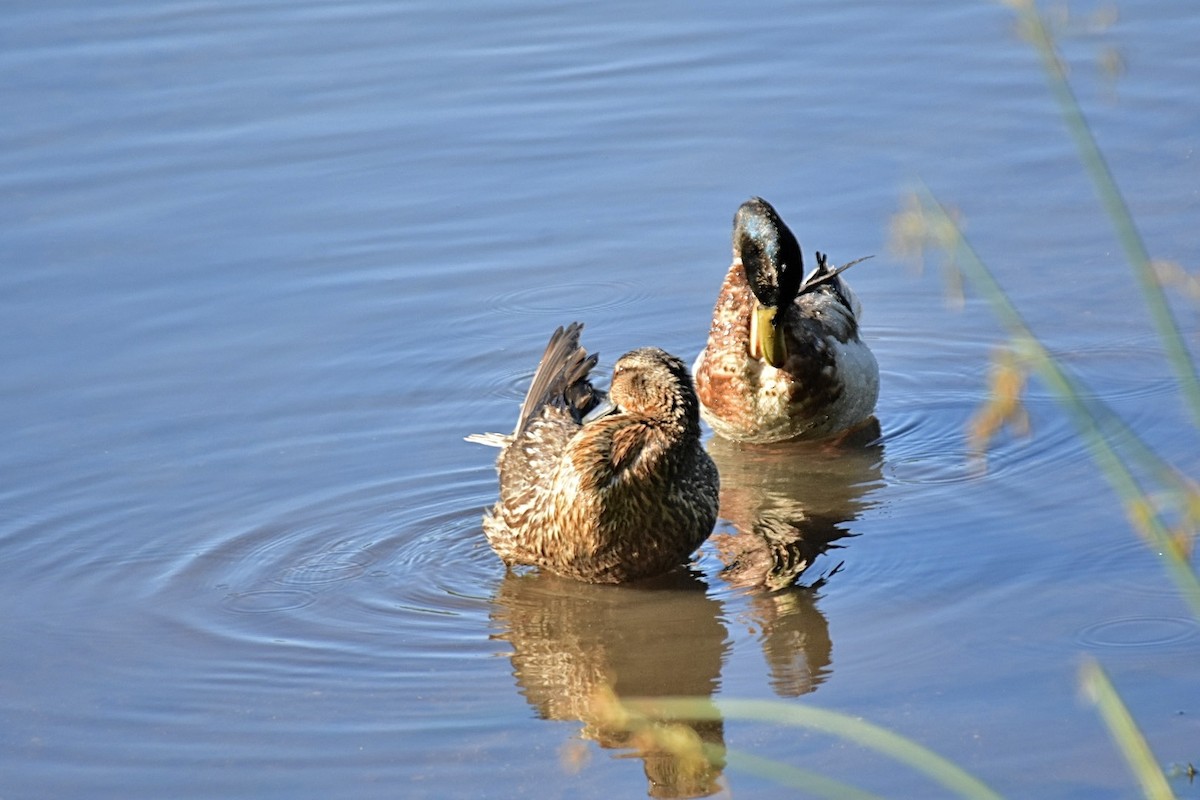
[625,496]
[827,384]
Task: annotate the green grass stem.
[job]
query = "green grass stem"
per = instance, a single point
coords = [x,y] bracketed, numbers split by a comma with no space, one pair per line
[1136,502]
[803,780]
[866,734]
[1034,27]
[1125,733]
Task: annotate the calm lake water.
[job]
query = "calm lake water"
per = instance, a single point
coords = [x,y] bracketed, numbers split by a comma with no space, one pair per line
[266,264]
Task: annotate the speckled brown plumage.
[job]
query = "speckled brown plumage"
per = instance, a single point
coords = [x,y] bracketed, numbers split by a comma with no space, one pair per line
[827,380]
[624,496]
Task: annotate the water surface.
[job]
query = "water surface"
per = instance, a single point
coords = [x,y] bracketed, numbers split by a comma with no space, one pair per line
[267,264]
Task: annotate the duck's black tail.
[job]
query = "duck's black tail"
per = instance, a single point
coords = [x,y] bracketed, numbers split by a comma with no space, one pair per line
[561,378]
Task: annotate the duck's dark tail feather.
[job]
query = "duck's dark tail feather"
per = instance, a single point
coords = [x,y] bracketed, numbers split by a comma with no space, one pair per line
[561,378]
[824,273]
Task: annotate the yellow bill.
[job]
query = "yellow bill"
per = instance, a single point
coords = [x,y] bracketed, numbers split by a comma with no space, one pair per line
[766,340]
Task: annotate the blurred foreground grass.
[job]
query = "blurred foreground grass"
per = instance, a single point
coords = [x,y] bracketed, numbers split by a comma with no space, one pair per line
[1161,502]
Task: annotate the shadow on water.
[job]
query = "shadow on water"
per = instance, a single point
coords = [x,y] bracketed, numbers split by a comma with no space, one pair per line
[579,652]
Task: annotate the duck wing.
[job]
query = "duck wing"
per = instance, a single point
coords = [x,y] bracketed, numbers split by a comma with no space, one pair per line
[561,380]
[558,398]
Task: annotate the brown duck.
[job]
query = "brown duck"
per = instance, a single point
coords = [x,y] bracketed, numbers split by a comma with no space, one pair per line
[603,490]
[784,359]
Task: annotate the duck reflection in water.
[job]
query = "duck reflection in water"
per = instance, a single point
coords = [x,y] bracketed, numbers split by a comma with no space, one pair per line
[788,504]
[580,650]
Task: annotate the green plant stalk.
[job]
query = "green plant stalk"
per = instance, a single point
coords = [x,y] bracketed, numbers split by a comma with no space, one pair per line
[1118,475]
[1125,732]
[795,778]
[1114,204]
[1115,427]
[906,751]
[1117,432]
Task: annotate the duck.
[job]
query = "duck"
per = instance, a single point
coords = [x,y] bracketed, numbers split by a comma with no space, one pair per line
[603,487]
[784,357]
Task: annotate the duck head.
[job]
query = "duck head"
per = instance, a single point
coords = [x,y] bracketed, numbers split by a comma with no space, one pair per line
[774,268]
[653,383]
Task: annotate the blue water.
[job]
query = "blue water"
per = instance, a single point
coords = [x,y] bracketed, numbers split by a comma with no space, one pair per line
[266,265]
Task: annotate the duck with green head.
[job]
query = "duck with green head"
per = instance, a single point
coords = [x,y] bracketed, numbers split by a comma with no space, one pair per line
[784,359]
[604,490]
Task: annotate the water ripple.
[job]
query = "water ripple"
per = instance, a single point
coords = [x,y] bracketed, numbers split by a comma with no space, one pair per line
[1116,562]
[328,567]
[396,557]
[268,600]
[569,297]
[1139,633]
[928,445]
